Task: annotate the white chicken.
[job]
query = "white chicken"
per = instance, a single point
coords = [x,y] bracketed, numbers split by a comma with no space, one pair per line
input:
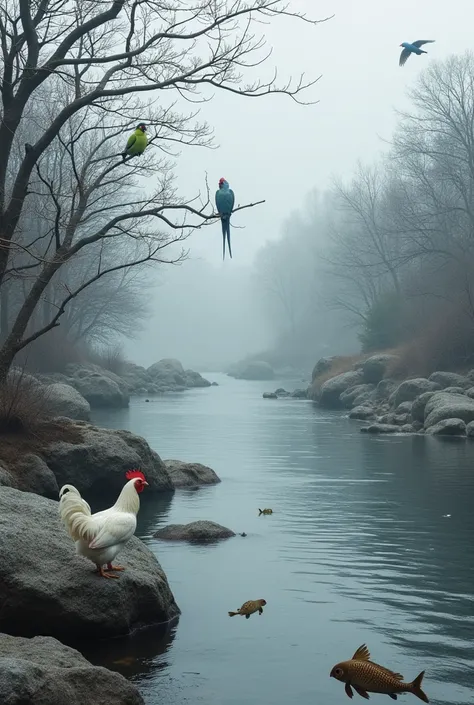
[101,536]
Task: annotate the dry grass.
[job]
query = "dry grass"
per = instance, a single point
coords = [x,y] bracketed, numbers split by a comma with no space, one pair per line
[25,419]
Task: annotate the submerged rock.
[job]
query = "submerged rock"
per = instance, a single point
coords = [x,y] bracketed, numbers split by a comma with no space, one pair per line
[45,588]
[380,428]
[196,531]
[42,671]
[190,474]
[362,412]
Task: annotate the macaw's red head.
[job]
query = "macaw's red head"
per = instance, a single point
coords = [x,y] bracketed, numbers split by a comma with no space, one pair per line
[142,127]
[140,482]
[221,181]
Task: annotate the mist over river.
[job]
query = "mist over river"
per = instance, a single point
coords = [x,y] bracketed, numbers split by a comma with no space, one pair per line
[371,541]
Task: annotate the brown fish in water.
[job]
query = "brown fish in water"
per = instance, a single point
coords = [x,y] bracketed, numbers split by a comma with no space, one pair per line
[265,511]
[249,608]
[365,676]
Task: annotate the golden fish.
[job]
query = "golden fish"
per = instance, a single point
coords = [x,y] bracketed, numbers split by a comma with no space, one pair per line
[265,511]
[249,608]
[365,676]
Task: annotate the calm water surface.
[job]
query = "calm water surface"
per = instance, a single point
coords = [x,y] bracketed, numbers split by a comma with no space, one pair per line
[371,541]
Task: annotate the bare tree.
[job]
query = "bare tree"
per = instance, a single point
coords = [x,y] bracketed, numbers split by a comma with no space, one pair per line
[105,62]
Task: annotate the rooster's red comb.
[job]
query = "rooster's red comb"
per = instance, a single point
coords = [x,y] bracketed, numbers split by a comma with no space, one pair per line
[132,474]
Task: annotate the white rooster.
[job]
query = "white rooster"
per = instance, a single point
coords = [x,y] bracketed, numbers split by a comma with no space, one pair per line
[101,536]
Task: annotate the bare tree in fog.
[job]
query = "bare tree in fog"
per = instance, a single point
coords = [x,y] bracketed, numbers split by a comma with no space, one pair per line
[99,70]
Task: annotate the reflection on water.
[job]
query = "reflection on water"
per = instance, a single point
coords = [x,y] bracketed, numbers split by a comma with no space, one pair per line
[371,541]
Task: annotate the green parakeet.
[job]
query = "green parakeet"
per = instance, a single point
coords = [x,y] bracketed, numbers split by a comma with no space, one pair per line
[137,142]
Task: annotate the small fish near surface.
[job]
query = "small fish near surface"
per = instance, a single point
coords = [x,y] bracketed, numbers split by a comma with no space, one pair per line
[250,607]
[265,511]
[367,677]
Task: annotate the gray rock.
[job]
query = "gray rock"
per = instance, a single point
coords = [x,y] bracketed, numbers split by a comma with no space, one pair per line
[386,419]
[270,395]
[410,389]
[417,426]
[380,428]
[362,412]
[190,474]
[348,397]
[470,429]
[255,370]
[443,406]
[470,392]
[30,474]
[300,394]
[407,428]
[196,531]
[449,379]
[98,464]
[375,367]
[194,380]
[45,588]
[101,388]
[455,390]
[385,388]
[332,389]
[42,671]
[323,365]
[280,392]
[448,427]
[64,400]
[404,408]
[418,406]
[401,419]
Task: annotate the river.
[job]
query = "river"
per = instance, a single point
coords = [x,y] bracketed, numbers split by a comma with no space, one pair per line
[371,540]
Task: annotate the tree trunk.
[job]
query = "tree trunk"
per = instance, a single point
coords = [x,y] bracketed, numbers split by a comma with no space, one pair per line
[4,311]
[12,344]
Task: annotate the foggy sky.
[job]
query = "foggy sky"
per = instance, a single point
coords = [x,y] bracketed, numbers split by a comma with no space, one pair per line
[271,148]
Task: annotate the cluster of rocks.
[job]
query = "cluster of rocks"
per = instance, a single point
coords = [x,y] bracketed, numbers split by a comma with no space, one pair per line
[45,588]
[442,404]
[84,386]
[281,393]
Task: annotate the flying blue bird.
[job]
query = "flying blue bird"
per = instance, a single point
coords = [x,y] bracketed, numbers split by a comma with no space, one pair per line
[225,200]
[413,48]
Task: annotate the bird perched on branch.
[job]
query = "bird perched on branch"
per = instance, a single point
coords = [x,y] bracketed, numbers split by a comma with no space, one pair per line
[101,536]
[413,48]
[137,142]
[225,200]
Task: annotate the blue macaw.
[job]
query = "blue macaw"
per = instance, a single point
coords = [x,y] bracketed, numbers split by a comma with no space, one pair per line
[413,48]
[225,200]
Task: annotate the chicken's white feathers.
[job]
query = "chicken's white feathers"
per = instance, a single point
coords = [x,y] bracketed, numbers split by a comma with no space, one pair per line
[106,528]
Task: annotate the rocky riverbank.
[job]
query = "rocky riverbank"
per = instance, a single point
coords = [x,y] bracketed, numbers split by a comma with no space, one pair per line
[441,404]
[81,387]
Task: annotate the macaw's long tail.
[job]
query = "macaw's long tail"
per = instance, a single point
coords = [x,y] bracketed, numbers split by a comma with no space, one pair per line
[225,221]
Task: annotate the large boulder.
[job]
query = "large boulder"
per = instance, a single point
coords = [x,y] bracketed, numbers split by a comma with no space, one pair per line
[331,390]
[101,388]
[195,532]
[65,400]
[169,375]
[443,406]
[375,367]
[450,379]
[448,427]
[255,370]
[98,461]
[45,588]
[323,365]
[42,671]
[385,388]
[190,474]
[348,397]
[410,389]
[29,473]
[418,406]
